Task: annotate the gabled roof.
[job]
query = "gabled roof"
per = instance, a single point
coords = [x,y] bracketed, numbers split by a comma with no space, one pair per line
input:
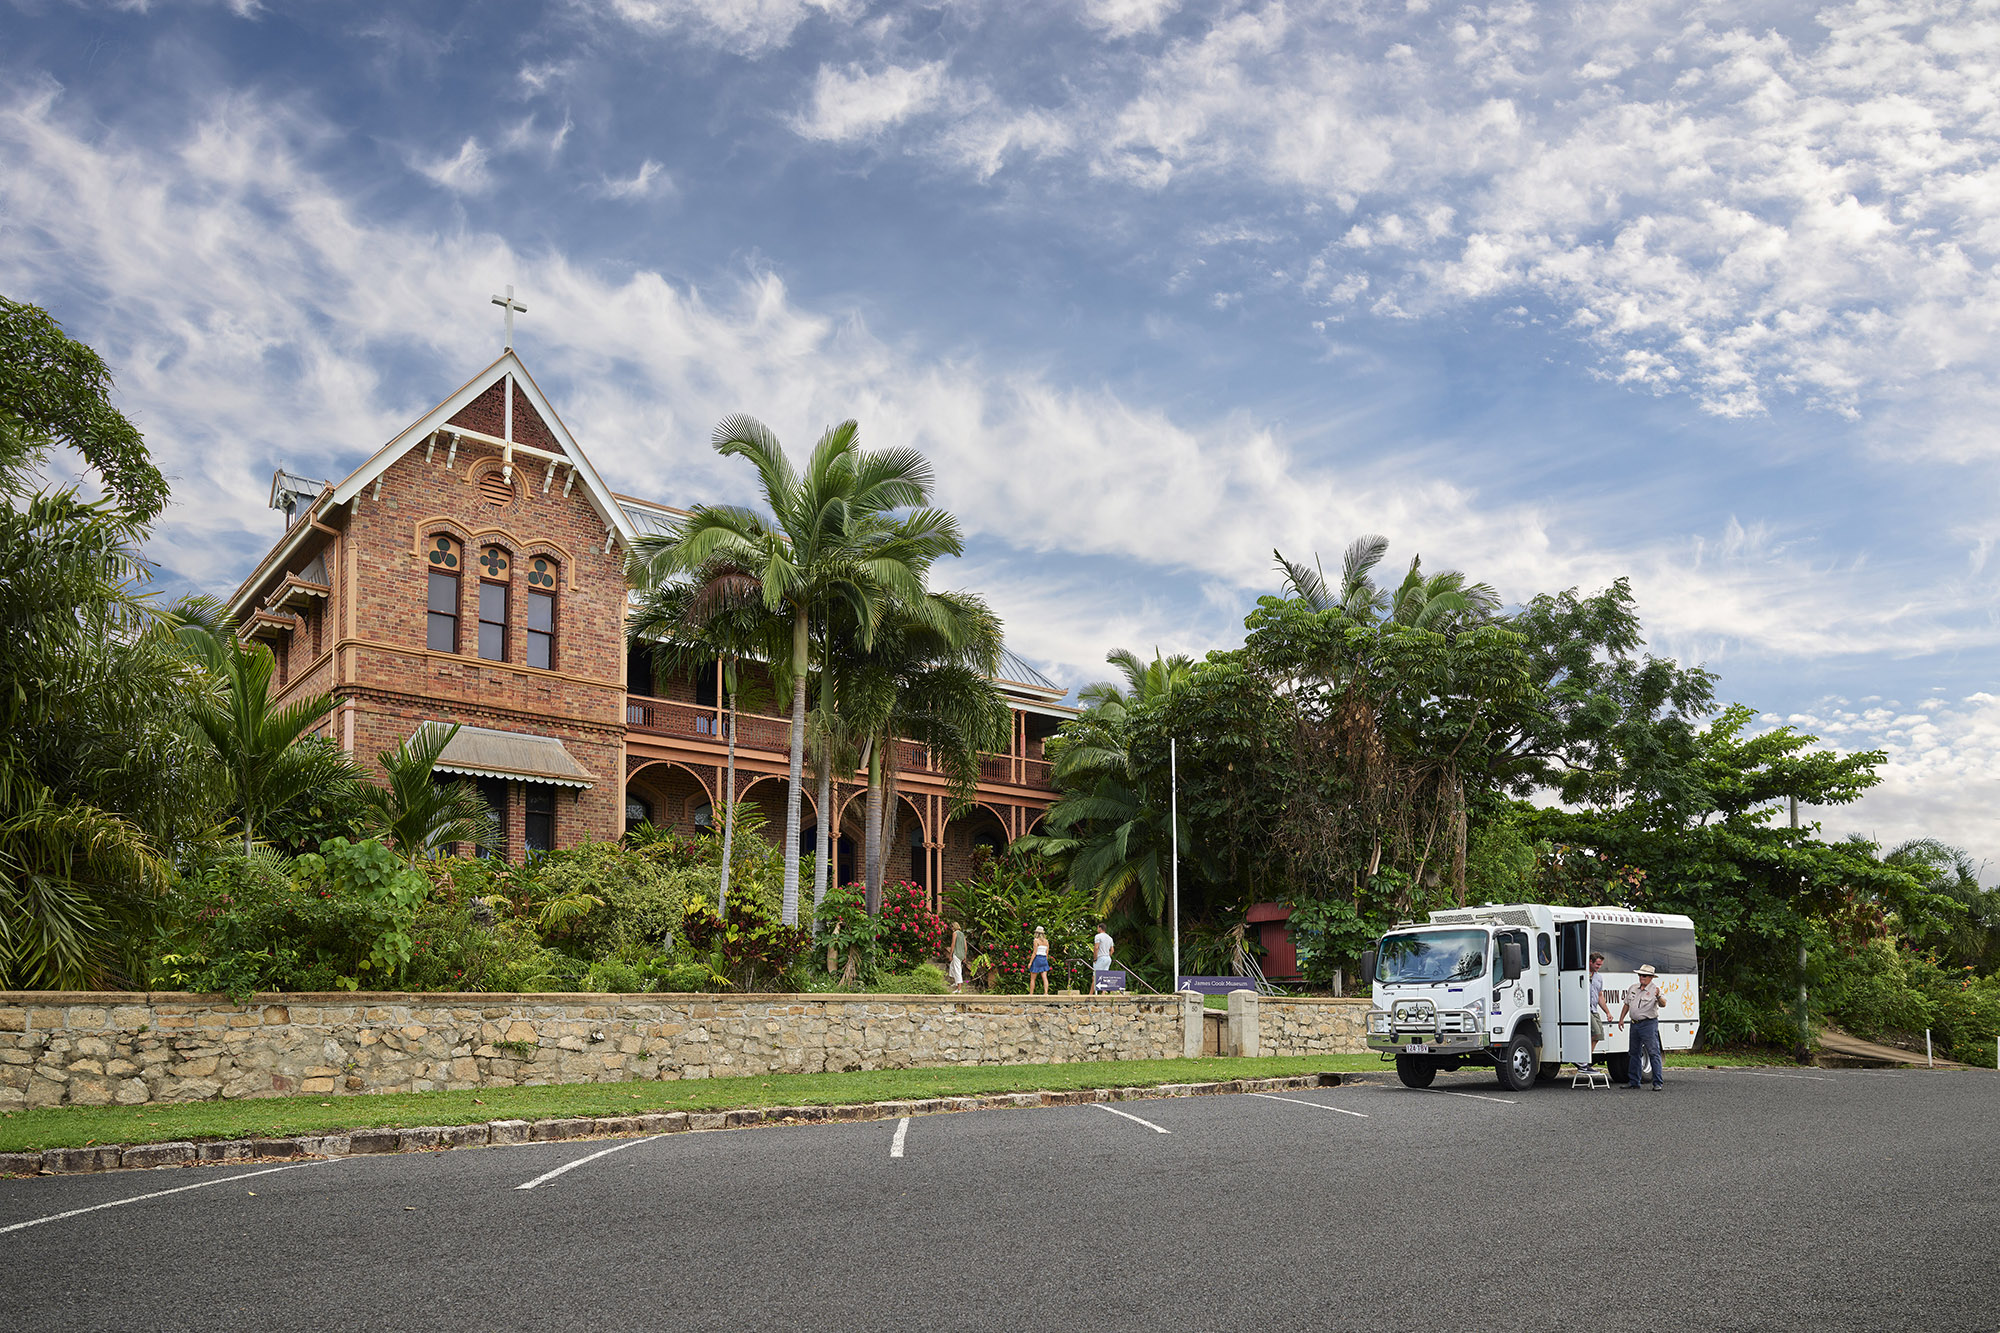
[439,418]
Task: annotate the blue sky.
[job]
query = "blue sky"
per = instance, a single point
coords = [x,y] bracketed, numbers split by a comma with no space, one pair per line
[1700,294]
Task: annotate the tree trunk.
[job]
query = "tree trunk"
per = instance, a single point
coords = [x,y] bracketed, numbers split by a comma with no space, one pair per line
[1458,839]
[796,790]
[873,832]
[829,835]
[728,803]
[828,859]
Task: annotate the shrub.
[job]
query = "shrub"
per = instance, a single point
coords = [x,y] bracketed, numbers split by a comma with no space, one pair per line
[751,941]
[923,979]
[687,978]
[338,919]
[613,976]
[846,929]
[908,932]
[611,900]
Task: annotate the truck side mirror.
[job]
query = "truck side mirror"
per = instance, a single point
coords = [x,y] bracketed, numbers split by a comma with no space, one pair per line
[1368,968]
[1513,959]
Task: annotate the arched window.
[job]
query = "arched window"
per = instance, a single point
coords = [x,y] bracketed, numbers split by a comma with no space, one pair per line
[441,619]
[495,572]
[542,613]
[703,816]
[637,812]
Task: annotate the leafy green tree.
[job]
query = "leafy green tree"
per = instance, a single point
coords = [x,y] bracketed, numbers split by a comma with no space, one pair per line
[262,748]
[55,392]
[97,788]
[416,814]
[835,534]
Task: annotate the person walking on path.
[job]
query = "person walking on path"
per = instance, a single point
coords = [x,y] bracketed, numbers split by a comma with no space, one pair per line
[957,955]
[1038,966]
[1103,960]
[1598,1026]
[1642,1003]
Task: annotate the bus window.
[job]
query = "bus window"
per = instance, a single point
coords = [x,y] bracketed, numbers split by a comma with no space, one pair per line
[1627,945]
[1570,934]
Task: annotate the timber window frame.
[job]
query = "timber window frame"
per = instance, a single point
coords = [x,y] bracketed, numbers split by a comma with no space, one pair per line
[540,614]
[441,595]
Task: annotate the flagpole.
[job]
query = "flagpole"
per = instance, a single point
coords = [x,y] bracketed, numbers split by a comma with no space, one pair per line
[1174,829]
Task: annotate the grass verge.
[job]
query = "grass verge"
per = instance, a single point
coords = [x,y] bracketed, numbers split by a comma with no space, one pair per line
[278,1117]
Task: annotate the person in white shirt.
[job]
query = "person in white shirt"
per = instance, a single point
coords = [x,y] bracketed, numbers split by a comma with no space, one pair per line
[1103,961]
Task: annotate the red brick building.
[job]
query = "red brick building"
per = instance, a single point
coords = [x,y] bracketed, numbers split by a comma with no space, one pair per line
[472,572]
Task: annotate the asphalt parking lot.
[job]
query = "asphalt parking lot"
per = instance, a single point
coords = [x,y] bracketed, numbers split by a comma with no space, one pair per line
[1735,1199]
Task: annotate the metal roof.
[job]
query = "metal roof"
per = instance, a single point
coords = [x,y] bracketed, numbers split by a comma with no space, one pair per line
[484,753]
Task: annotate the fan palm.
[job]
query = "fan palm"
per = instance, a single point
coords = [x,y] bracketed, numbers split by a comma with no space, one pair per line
[261,748]
[833,538]
[419,816]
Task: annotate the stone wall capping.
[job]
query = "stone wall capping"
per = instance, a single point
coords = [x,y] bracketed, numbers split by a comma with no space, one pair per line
[65,1161]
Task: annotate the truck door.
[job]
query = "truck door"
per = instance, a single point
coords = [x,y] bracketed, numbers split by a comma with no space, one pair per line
[1574,990]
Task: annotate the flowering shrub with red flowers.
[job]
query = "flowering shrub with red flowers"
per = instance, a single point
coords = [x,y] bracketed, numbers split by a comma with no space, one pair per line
[908,932]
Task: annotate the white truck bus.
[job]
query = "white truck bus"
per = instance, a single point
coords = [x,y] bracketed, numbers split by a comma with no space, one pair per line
[1510,987]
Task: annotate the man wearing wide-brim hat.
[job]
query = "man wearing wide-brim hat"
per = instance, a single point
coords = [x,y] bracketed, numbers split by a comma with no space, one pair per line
[1642,1003]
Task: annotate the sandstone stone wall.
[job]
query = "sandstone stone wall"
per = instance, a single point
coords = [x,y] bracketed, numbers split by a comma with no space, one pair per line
[1312,1026]
[97,1048]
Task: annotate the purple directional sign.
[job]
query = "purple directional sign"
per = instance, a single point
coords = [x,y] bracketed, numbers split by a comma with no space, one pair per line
[1215,985]
[1108,980]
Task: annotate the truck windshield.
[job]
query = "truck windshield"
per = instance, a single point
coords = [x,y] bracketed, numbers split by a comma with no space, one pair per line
[1444,955]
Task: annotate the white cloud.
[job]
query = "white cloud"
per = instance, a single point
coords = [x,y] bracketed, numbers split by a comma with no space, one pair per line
[257,311]
[647,182]
[1942,774]
[1123,18]
[854,103]
[463,173]
[747,27]
[1733,203]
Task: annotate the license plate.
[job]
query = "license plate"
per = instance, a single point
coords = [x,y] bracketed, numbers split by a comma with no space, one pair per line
[1416,1048]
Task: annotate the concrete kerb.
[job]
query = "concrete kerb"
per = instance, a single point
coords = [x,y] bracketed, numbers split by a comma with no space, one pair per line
[502,1133]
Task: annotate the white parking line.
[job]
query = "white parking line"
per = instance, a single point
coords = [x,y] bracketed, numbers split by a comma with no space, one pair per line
[1475,1096]
[1269,1097]
[1129,1116]
[902,1130]
[547,1176]
[159,1194]
[1875,1073]
[1815,1078]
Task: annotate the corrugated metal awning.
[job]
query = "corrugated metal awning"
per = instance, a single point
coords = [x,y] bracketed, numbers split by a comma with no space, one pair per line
[481,752]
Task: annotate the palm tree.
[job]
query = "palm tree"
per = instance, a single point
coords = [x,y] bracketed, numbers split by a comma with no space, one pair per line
[1356,593]
[1108,822]
[926,676]
[830,541]
[715,614]
[1439,601]
[261,748]
[417,815]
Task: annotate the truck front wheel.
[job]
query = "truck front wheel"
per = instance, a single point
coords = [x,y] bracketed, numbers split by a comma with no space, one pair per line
[1520,1062]
[1415,1071]
[1619,1067]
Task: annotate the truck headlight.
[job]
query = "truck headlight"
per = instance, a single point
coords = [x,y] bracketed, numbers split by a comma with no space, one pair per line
[1378,1021]
[1476,1014]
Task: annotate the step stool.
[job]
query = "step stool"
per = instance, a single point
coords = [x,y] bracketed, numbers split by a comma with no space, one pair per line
[1590,1076]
